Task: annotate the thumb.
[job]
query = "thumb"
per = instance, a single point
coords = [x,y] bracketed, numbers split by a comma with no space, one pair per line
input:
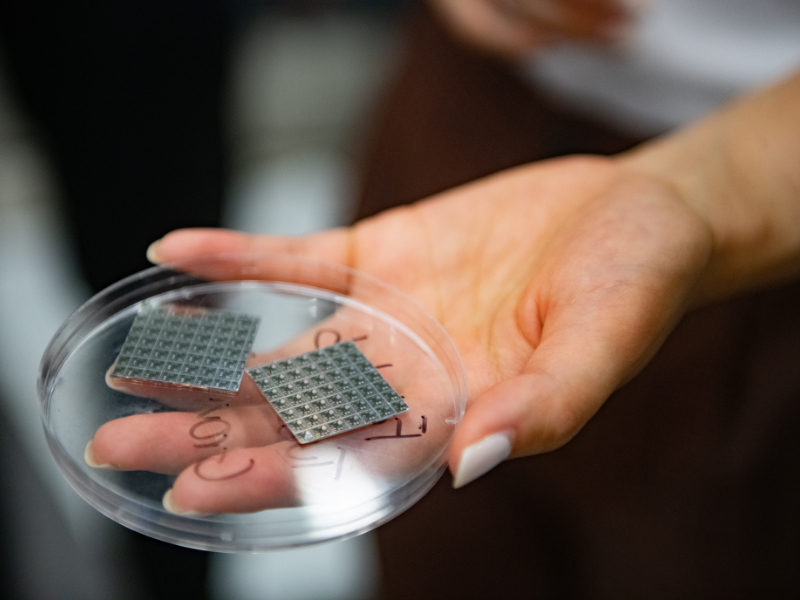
[588,354]
[527,414]
[531,413]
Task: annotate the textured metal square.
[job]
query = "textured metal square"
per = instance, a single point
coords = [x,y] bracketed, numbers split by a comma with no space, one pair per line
[326,392]
[205,347]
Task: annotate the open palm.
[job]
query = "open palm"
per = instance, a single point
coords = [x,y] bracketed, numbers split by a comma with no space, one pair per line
[558,281]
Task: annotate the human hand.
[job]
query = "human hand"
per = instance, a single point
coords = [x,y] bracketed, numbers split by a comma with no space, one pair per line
[557,281]
[512,28]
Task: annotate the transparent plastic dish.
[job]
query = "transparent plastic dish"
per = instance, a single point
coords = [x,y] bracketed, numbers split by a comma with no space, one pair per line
[338,487]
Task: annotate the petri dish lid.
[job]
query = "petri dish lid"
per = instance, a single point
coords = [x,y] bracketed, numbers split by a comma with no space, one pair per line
[340,486]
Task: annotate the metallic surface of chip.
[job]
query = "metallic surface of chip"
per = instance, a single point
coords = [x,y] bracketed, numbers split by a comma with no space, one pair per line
[327,392]
[197,347]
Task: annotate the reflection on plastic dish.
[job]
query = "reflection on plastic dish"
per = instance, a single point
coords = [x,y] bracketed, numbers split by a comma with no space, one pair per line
[230,448]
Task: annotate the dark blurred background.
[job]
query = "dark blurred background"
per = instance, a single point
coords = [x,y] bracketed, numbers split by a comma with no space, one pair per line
[123,120]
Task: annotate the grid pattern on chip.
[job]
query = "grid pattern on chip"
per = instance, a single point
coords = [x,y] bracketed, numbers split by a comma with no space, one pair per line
[205,348]
[326,392]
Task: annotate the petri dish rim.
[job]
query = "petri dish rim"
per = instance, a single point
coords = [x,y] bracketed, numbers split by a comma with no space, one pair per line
[220,533]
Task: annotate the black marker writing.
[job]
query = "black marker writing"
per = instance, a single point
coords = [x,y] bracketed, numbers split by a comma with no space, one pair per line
[398,434]
[222,433]
[339,463]
[218,435]
[337,335]
[317,344]
[250,464]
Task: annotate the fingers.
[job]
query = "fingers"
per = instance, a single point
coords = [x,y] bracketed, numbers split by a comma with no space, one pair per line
[229,462]
[240,481]
[219,255]
[169,442]
[329,246]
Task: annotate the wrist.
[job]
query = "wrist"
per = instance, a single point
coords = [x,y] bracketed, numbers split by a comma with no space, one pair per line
[738,171]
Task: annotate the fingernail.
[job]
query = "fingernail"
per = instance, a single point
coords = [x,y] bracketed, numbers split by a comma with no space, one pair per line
[169,506]
[482,457]
[88,456]
[152,253]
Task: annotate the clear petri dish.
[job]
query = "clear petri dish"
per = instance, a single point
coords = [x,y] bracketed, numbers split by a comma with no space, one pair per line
[299,494]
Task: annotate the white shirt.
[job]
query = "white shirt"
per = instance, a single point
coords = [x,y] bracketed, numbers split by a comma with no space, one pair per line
[686,58]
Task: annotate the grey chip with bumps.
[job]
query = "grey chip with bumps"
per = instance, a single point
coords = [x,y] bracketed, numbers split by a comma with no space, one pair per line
[197,347]
[326,392]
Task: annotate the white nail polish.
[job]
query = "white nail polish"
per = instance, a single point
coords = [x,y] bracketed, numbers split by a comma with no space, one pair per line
[88,457]
[169,506]
[481,457]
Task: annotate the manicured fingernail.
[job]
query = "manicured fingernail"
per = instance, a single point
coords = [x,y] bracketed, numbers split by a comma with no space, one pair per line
[482,457]
[169,506]
[88,456]
[152,253]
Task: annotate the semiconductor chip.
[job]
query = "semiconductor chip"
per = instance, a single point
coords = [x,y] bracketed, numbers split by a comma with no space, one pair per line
[326,392]
[197,347]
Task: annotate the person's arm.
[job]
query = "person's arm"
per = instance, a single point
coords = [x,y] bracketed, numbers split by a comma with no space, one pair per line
[739,169]
[560,280]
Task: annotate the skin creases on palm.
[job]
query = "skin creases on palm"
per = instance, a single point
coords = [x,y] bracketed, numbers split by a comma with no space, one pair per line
[233,453]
